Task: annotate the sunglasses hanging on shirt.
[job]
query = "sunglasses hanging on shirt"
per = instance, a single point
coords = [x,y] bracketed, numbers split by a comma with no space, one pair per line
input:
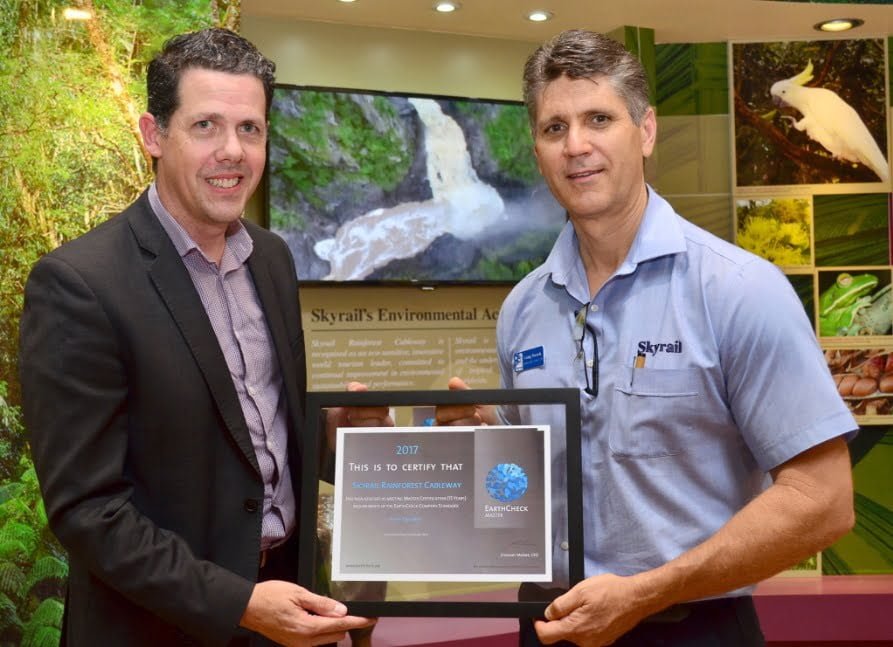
[590,366]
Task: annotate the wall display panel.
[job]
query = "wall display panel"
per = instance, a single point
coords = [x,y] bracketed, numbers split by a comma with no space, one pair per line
[854,302]
[867,549]
[810,114]
[852,229]
[779,164]
[691,162]
[777,229]
[692,79]
[864,378]
[370,186]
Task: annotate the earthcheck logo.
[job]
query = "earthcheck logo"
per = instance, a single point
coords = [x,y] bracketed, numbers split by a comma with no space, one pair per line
[651,348]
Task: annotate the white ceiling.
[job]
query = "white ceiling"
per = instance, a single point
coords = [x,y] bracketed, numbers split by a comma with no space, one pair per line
[674,21]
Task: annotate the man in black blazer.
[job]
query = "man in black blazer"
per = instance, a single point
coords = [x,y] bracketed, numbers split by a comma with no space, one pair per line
[163,375]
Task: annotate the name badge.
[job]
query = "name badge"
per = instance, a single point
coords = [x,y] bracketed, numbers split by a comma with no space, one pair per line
[530,358]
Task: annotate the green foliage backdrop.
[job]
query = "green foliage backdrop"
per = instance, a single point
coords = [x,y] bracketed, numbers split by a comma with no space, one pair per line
[852,229]
[70,156]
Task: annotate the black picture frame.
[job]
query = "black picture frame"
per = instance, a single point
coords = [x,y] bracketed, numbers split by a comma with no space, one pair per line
[315,435]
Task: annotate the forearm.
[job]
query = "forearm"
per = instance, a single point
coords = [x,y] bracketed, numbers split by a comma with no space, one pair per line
[808,506]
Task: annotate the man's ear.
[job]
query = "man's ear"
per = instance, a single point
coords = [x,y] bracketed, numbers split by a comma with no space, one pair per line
[151,133]
[648,128]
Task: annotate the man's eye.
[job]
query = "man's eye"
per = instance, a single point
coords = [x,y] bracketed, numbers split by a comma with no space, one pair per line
[600,119]
[204,124]
[552,129]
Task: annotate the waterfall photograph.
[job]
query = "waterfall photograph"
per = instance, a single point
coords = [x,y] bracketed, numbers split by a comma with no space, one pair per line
[367,186]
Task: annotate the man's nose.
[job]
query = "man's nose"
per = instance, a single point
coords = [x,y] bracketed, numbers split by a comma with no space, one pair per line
[230,148]
[577,141]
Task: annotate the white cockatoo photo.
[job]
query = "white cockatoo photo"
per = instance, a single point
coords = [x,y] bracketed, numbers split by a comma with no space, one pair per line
[830,121]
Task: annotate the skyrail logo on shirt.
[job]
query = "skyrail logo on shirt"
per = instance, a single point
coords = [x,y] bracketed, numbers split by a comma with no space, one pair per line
[652,348]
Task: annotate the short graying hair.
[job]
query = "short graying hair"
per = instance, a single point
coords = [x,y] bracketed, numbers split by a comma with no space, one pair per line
[209,49]
[582,54]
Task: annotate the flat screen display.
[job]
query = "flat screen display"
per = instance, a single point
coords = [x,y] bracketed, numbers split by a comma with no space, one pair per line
[372,186]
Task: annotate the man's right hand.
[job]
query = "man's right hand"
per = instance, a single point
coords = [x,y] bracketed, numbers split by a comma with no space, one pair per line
[293,616]
[468,415]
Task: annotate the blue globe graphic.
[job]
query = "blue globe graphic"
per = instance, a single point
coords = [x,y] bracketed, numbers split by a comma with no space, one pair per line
[506,482]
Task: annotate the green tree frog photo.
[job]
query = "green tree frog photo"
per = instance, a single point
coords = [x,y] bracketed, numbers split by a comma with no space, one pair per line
[849,308]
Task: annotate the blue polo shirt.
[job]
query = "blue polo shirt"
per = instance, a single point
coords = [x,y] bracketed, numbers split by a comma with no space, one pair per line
[709,375]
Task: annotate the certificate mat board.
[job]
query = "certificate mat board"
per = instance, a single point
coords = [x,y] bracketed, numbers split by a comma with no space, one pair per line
[405,497]
[431,584]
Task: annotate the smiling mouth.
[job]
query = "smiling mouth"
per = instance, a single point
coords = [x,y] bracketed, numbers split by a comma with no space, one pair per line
[583,174]
[224,183]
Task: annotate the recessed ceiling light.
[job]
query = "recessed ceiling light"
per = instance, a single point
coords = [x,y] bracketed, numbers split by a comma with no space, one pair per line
[540,15]
[445,6]
[70,13]
[347,1]
[839,24]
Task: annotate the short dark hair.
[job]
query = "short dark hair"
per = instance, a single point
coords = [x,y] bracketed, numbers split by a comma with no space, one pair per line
[209,49]
[582,54]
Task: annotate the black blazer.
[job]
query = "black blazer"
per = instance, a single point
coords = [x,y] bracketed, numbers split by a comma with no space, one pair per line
[144,458]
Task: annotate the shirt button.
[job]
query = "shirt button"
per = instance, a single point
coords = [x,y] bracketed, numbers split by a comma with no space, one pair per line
[250,505]
[594,308]
[564,545]
[252,391]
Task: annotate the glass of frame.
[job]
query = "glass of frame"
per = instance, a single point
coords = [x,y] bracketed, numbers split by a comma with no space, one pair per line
[426,520]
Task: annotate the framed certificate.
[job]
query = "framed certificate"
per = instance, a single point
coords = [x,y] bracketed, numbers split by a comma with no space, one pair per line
[425,520]
[405,497]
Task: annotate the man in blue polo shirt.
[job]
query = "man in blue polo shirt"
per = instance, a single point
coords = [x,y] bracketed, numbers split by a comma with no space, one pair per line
[713,437]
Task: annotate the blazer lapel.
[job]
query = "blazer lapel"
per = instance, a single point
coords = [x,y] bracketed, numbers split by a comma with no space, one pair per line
[174,285]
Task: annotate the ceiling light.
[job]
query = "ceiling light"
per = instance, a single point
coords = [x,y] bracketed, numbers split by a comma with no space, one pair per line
[347,1]
[445,6]
[839,24]
[70,13]
[540,15]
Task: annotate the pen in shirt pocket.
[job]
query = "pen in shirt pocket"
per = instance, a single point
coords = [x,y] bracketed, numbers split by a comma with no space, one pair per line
[637,364]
